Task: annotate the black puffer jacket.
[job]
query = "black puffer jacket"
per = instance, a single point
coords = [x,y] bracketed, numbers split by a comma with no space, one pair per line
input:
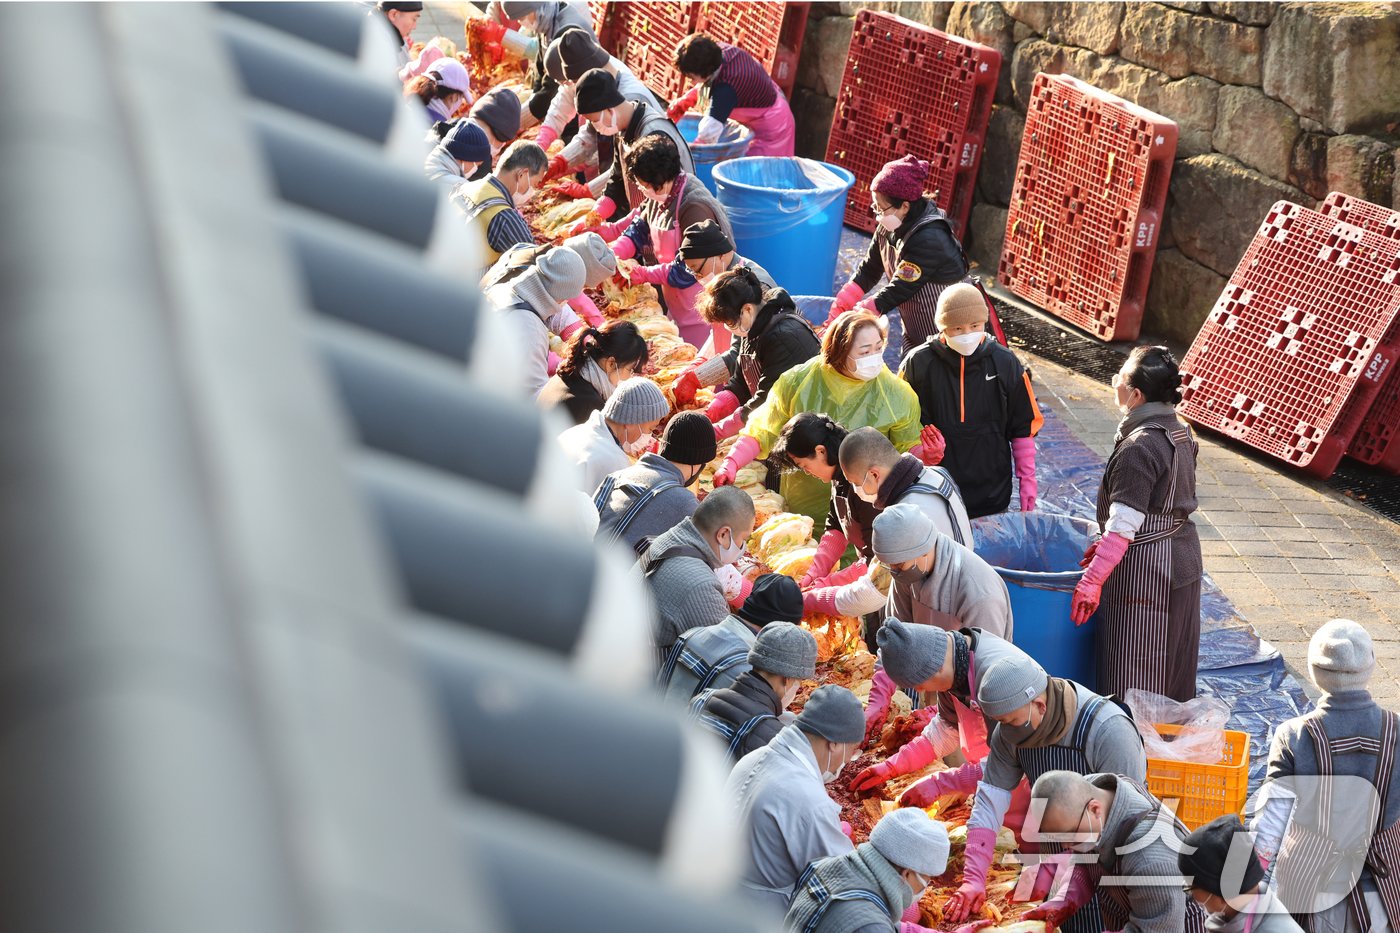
[979,403]
[729,710]
[779,339]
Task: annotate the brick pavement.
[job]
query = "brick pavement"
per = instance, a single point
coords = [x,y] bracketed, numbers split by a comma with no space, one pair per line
[1288,553]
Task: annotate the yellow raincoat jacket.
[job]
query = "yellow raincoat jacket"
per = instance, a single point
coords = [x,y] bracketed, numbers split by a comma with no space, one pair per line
[885,403]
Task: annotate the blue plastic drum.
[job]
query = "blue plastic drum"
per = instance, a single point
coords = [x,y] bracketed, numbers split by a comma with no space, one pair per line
[786,213]
[1037,555]
[733,143]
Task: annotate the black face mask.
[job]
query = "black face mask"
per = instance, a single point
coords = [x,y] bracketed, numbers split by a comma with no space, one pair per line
[694,476]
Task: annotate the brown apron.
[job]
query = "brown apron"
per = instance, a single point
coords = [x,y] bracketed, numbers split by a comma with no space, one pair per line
[1308,860]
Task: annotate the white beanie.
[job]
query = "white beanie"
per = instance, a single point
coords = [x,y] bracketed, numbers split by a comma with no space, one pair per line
[1341,657]
[907,838]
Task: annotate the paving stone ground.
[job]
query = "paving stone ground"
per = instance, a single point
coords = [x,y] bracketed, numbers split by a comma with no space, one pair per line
[1289,554]
[443,18]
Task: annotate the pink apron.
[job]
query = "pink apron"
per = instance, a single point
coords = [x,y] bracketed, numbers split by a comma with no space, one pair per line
[773,130]
[680,302]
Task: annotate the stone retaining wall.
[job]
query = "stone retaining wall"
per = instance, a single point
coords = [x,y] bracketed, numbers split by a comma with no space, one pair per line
[1273,101]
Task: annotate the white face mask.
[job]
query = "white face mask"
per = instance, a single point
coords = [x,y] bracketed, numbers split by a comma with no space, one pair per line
[869,497]
[730,553]
[1091,844]
[924,883]
[791,693]
[607,123]
[890,221]
[522,199]
[832,761]
[966,344]
[868,367]
[638,447]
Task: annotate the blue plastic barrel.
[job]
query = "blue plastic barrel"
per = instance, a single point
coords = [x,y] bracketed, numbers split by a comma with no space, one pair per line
[1037,554]
[733,143]
[786,214]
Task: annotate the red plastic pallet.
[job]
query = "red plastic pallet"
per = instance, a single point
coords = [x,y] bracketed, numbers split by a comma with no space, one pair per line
[646,36]
[912,89]
[1378,441]
[753,27]
[1086,207]
[1293,354]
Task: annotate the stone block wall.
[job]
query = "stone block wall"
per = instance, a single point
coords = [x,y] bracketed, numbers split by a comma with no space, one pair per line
[1274,101]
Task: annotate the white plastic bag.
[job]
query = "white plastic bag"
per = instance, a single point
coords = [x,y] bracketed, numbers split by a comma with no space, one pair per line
[1202,736]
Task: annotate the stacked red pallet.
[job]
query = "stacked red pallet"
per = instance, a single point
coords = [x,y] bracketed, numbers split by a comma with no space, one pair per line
[646,36]
[1086,208]
[770,32]
[1377,442]
[913,89]
[1301,342]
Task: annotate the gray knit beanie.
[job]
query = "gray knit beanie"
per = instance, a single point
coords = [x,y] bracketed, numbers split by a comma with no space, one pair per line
[599,261]
[1010,684]
[636,401]
[556,276]
[835,714]
[786,650]
[908,838]
[1341,657]
[911,653]
[902,533]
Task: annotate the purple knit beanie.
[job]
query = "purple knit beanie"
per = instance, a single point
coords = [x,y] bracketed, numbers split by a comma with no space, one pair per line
[902,179]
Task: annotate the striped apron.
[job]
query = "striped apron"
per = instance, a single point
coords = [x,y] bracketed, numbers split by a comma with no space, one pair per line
[1149,623]
[824,898]
[732,735]
[918,313]
[1116,907]
[1308,858]
[1037,761]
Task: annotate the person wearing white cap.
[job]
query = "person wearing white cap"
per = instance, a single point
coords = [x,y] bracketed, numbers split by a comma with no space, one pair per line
[532,303]
[447,90]
[780,791]
[1349,742]
[1044,724]
[621,431]
[869,889]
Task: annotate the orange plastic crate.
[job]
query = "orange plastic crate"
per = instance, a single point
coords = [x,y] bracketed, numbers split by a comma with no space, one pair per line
[1203,792]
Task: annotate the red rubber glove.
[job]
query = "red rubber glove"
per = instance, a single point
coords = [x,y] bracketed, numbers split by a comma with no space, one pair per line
[917,753]
[546,138]
[877,708]
[821,602]
[573,189]
[728,427]
[1077,893]
[683,104]
[558,168]
[977,858]
[1023,452]
[846,299]
[744,453]
[1108,552]
[724,405]
[685,388]
[643,275]
[568,332]
[581,227]
[585,308]
[495,52]
[961,780]
[829,551]
[931,447]
[492,31]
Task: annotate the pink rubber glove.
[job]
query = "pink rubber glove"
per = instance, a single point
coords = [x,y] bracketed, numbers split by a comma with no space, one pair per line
[961,780]
[849,574]
[867,305]
[820,602]
[644,275]
[977,858]
[568,332]
[878,706]
[744,453]
[909,926]
[1108,551]
[745,589]
[848,830]
[931,446]
[623,248]
[552,362]
[611,231]
[1056,913]
[912,913]
[846,299]
[974,926]
[547,137]
[728,427]
[683,104]
[829,551]
[917,753]
[605,207]
[1023,452]
[724,405]
[585,308]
